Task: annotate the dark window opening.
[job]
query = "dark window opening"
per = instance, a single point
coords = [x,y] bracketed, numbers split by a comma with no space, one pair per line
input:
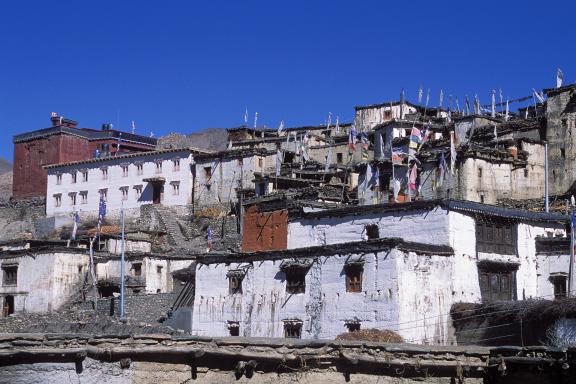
[288,157]
[372,231]
[137,268]
[234,328]
[208,174]
[296,280]
[10,275]
[158,269]
[525,172]
[235,284]
[292,330]
[496,237]
[388,114]
[8,308]
[108,290]
[559,283]
[480,172]
[354,278]
[497,286]
[482,198]
[339,158]
[562,152]
[135,291]
[353,326]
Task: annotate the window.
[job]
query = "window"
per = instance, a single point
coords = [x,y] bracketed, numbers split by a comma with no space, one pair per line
[124,171]
[293,329]
[497,281]
[72,198]
[235,281]
[260,162]
[124,191]
[58,178]
[496,237]
[388,114]
[234,328]
[9,275]
[482,199]
[295,280]
[104,173]
[562,152]
[137,269]
[372,231]
[58,200]
[479,173]
[559,282]
[525,172]
[158,269]
[84,197]
[140,169]
[175,188]
[176,165]
[103,193]
[74,177]
[138,191]
[339,158]
[159,166]
[354,277]
[84,176]
[80,268]
[353,325]
[208,174]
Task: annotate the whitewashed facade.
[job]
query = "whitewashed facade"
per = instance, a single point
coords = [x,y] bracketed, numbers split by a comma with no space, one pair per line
[40,281]
[392,293]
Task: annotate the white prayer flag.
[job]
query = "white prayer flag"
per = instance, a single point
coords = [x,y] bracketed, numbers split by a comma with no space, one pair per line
[420,94]
[559,77]
[493,103]
[255,119]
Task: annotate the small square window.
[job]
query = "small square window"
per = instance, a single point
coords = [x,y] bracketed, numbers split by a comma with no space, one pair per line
[138,191]
[104,173]
[158,269]
[372,232]
[559,283]
[339,158]
[84,176]
[260,162]
[124,171]
[159,167]
[353,326]
[176,163]
[176,188]
[234,328]
[480,173]
[235,282]
[354,278]
[74,177]
[295,280]
[10,275]
[293,329]
[562,152]
[137,269]
[140,169]
[124,191]
[72,198]
[208,174]
[103,194]
[58,200]
[525,172]
[84,197]
[58,179]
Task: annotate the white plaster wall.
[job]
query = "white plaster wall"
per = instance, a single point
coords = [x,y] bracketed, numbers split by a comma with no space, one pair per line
[495,182]
[425,286]
[425,226]
[45,281]
[114,246]
[547,265]
[368,118]
[115,181]
[323,308]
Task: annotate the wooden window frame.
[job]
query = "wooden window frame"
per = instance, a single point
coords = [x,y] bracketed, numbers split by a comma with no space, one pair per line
[296,280]
[354,278]
[293,329]
[9,275]
[497,285]
[496,237]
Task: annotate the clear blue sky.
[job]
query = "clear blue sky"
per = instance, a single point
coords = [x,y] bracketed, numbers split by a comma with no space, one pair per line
[183,65]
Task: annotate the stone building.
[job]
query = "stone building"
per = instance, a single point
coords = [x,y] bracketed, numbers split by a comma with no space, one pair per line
[39,276]
[61,143]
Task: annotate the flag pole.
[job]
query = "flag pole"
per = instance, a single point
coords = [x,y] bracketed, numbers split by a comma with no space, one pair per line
[122,317]
[571,265]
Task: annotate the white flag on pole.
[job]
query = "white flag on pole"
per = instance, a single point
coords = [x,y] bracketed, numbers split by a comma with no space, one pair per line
[559,77]
[493,103]
[420,94]
[246,117]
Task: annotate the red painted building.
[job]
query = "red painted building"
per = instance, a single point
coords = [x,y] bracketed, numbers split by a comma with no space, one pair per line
[61,143]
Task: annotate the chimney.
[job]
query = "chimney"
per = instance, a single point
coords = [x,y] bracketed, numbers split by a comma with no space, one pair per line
[60,121]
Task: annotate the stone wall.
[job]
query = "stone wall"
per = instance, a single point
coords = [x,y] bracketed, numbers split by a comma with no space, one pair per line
[53,358]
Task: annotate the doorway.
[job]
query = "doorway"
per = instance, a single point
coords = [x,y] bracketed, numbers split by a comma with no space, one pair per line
[157,190]
[8,307]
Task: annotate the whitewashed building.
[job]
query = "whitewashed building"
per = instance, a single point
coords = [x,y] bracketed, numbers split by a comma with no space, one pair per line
[170,177]
[399,267]
[39,280]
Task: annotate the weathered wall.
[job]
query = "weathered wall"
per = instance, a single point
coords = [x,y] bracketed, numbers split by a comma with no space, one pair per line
[20,219]
[398,287]
[264,231]
[44,280]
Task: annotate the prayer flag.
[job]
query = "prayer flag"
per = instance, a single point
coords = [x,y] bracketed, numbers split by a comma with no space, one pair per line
[75,227]
[559,77]
[413,177]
